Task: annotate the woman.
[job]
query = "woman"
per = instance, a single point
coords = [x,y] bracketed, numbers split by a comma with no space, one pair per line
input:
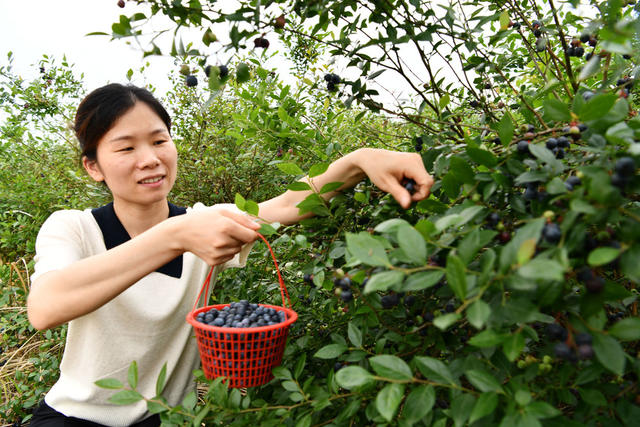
[125,275]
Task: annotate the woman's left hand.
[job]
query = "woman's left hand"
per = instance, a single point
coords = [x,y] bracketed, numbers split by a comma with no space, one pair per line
[387,169]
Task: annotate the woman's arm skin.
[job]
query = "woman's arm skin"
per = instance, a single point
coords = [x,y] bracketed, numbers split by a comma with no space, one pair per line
[386,169]
[84,286]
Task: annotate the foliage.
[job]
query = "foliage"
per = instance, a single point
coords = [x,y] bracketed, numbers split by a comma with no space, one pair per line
[509,297]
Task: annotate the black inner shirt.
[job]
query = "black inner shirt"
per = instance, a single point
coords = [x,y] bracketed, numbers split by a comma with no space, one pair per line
[114,234]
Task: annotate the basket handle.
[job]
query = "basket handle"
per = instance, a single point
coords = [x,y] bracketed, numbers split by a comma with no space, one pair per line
[283,288]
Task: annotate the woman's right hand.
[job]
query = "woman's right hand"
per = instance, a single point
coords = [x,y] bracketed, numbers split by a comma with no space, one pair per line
[215,235]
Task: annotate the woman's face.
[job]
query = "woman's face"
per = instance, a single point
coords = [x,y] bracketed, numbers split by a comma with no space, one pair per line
[136,158]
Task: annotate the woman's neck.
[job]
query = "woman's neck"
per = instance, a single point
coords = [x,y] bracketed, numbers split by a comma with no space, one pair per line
[137,219]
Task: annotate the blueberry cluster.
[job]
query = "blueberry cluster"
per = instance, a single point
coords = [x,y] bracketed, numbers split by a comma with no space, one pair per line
[191,81]
[625,84]
[575,49]
[562,350]
[418,145]
[624,171]
[593,283]
[241,314]
[332,80]
[551,232]
[344,284]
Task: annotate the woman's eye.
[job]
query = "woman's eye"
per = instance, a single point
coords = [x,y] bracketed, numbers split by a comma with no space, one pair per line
[160,142]
[126,149]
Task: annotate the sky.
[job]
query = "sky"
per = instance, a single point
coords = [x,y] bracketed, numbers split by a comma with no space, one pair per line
[31,28]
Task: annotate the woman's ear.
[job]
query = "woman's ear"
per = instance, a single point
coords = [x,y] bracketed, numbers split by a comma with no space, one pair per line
[92,168]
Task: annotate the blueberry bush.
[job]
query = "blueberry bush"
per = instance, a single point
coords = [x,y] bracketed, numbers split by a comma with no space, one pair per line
[509,296]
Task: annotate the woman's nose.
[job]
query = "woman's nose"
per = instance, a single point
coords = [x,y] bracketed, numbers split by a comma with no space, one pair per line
[148,158]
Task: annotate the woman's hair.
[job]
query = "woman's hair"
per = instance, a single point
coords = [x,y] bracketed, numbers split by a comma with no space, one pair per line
[99,110]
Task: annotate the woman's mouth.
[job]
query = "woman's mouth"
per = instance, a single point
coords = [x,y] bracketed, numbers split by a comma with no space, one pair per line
[151,180]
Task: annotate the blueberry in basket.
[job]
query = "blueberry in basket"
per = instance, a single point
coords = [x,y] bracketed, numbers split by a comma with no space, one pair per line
[241,314]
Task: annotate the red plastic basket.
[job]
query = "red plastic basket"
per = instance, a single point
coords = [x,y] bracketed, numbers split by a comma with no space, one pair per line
[244,356]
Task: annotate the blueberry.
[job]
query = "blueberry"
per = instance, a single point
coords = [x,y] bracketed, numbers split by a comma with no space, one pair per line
[555,332]
[551,143]
[450,307]
[595,285]
[530,193]
[218,321]
[625,167]
[574,181]
[560,153]
[562,350]
[619,180]
[585,274]
[583,338]
[585,352]
[224,71]
[389,301]
[584,38]
[191,81]
[409,185]
[587,95]
[563,142]
[346,296]
[523,146]
[409,300]
[335,79]
[551,232]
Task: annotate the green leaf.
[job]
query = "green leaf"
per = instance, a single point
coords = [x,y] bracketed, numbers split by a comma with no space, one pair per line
[251,208]
[412,244]
[478,313]
[389,399]
[509,252]
[367,249]
[482,157]
[526,251]
[593,397]
[161,379]
[556,110]
[353,376]
[456,276]
[383,281]
[542,410]
[290,168]
[461,407]
[330,186]
[602,256]
[298,186]
[391,367]
[485,405]
[488,338]
[620,134]
[110,383]
[190,400]
[313,203]
[590,68]
[434,369]
[419,403]
[451,185]
[629,263]
[473,242]
[461,170]
[544,269]
[156,406]
[446,320]
[243,74]
[422,280]
[240,201]
[626,329]
[512,346]
[355,334]
[281,373]
[126,397]
[609,353]
[330,351]
[483,380]
[318,169]
[505,130]
[132,376]
[598,106]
